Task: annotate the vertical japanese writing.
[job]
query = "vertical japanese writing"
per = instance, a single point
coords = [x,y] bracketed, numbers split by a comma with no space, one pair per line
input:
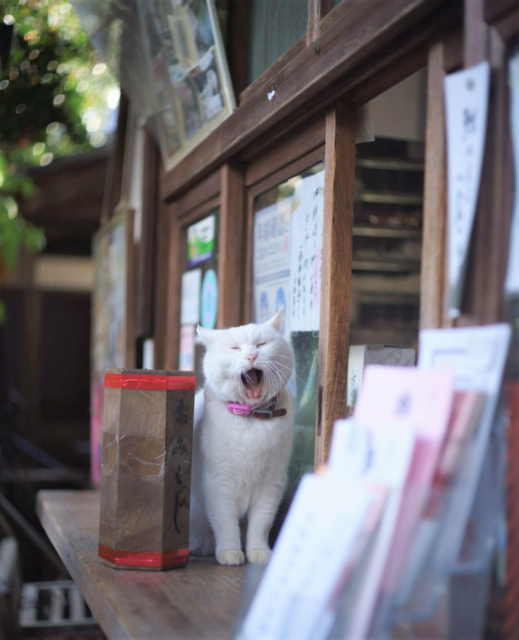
[305,268]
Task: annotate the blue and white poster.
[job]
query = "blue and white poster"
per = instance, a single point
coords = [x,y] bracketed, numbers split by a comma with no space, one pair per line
[272,228]
[209,299]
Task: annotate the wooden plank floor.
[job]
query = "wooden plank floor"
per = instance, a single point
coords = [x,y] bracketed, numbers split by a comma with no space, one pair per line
[198,601]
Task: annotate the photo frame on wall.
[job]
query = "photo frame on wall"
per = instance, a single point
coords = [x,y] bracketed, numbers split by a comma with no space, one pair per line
[189,76]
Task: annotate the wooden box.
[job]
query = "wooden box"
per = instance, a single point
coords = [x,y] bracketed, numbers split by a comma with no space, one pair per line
[146,468]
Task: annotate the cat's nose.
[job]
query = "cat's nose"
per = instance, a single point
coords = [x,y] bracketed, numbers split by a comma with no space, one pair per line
[251,357]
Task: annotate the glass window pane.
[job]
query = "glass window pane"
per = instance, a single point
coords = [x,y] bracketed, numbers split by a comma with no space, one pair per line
[288,228]
[199,293]
[387,233]
[273,28]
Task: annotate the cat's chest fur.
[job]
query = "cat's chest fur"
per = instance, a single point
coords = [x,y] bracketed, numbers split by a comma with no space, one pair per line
[244,452]
[244,443]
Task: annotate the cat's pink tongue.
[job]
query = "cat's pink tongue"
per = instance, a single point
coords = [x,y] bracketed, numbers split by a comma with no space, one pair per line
[253,384]
[253,393]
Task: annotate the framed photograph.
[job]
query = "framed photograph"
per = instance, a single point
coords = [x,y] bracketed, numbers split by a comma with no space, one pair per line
[191,85]
[112,330]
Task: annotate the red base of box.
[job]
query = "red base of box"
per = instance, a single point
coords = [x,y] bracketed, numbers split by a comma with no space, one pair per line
[144,560]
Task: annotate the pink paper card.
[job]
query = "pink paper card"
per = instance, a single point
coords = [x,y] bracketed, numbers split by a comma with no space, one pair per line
[422,399]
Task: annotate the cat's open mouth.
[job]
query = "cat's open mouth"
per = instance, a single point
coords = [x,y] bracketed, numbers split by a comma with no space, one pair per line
[251,380]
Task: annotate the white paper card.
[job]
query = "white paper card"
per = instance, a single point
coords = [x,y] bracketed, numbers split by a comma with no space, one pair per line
[512,277]
[190,297]
[317,536]
[271,261]
[305,254]
[477,357]
[466,103]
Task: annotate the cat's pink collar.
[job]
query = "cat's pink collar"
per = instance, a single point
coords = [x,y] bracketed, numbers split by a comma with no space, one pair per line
[238,409]
[244,410]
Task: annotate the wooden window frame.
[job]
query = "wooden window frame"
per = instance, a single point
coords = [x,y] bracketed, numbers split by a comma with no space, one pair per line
[222,189]
[358,42]
[385,42]
[330,139]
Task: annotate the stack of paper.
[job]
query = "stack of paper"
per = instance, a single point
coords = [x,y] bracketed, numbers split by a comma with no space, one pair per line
[373,540]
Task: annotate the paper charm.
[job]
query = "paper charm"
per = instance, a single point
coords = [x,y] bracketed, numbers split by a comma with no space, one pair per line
[512,277]
[466,104]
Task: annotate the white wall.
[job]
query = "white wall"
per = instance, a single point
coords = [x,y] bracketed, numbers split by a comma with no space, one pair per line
[400,112]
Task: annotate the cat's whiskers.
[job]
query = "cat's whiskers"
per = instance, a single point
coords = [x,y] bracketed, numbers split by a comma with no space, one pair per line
[292,371]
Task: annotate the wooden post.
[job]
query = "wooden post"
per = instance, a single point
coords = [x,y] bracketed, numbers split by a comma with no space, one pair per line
[230,254]
[317,9]
[334,328]
[148,242]
[434,254]
[162,314]
[172,292]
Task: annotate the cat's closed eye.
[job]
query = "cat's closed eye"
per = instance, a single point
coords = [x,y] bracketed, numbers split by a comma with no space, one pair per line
[236,348]
[261,344]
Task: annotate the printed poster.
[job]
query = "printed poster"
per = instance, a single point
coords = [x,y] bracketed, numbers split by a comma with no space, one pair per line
[271,261]
[209,300]
[190,297]
[200,241]
[466,103]
[305,254]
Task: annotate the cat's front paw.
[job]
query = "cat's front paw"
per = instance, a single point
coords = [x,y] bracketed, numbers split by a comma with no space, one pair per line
[258,556]
[230,556]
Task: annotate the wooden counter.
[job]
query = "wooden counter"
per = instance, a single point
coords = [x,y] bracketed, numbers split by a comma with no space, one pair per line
[198,601]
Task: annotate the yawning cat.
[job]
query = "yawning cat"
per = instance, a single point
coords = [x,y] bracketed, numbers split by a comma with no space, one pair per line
[244,419]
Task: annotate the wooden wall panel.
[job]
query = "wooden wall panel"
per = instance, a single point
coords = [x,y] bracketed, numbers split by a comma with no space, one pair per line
[231,243]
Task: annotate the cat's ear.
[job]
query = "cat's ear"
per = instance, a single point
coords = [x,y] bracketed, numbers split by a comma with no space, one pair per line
[208,336]
[277,321]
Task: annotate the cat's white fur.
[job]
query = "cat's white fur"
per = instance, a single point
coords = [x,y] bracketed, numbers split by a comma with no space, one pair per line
[240,463]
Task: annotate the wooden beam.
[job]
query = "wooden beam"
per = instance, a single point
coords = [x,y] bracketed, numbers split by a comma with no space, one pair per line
[359,31]
[317,9]
[146,249]
[230,256]
[130,347]
[434,250]
[162,310]
[476,43]
[172,265]
[500,202]
[238,44]
[336,273]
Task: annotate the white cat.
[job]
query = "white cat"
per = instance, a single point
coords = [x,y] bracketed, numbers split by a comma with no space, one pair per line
[240,461]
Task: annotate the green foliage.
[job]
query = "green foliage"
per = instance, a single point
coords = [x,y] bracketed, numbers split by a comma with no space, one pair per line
[54,101]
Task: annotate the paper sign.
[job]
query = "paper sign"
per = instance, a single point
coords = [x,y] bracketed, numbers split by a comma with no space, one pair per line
[209,299]
[317,536]
[305,254]
[396,394]
[477,357]
[190,297]
[512,277]
[388,464]
[466,104]
[423,400]
[187,348]
[271,262]
[200,241]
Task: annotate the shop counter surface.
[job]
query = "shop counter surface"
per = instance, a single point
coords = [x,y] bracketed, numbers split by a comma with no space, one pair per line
[200,600]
